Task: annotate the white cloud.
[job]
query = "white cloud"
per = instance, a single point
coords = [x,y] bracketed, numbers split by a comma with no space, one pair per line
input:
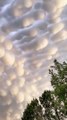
[32,35]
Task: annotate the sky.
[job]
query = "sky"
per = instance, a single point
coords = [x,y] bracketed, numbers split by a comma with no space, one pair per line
[32,34]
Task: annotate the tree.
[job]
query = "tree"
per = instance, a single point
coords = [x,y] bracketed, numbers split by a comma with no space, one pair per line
[33,111]
[52,105]
[59,83]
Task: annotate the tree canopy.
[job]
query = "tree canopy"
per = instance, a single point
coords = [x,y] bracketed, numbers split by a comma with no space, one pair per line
[52,104]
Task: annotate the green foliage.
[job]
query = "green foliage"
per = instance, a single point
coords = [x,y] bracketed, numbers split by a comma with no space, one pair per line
[52,105]
[33,111]
[59,82]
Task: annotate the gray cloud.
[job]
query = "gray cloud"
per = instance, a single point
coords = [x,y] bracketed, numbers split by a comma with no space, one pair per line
[32,34]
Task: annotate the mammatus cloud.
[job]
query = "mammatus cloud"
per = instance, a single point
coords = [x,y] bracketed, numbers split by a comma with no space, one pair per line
[11,80]
[32,34]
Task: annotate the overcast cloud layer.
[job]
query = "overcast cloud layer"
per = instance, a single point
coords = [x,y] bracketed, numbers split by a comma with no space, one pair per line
[32,34]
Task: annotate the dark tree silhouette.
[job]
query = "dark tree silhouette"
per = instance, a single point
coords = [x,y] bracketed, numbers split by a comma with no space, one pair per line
[33,111]
[52,105]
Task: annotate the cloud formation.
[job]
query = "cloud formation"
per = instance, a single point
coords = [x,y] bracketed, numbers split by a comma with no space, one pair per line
[32,34]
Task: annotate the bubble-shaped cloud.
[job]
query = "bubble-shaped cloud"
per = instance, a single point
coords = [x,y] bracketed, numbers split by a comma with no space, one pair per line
[32,34]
